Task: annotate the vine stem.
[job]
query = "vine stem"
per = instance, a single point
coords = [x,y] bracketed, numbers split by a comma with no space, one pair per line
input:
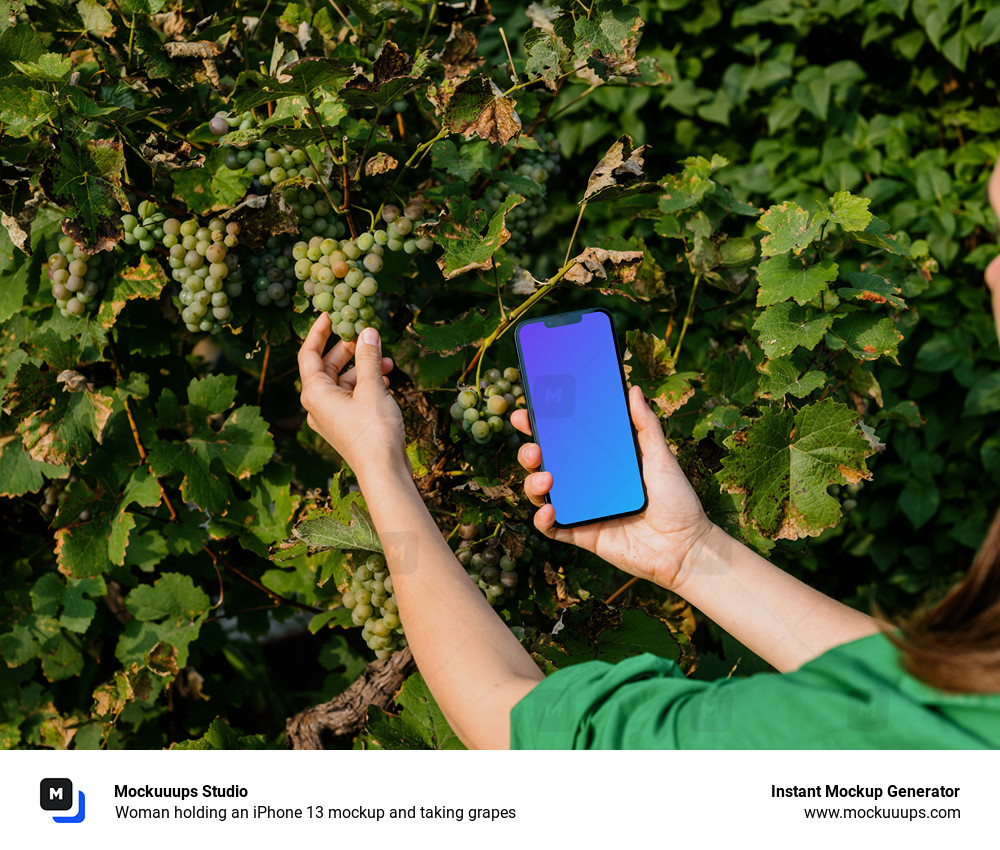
[688,317]
[621,590]
[576,227]
[277,597]
[512,317]
[343,17]
[134,427]
[418,153]
[263,374]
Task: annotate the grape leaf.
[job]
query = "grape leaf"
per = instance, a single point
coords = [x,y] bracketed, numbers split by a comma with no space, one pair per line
[685,190]
[91,547]
[783,327]
[263,518]
[222,736]
[214,186]
[873,288]
[87,179]
[49,67]
[781,376]
[146,280]
[619,174]
[23,108]
[477,107]
[877,234]
[467,160]
[788,229]
[850,211]
[782,277]
[171,611]
[328,532]
[19,472]
[420,724]
[648,365]
[470,236]
[984,396]
[96,19]
[57,427]
[615,271]
[868,336]
[448,337]
[545,52]
[607,41]
[784,462]
[50,593]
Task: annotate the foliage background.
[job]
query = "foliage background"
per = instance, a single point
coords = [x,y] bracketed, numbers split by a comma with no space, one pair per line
[894,101]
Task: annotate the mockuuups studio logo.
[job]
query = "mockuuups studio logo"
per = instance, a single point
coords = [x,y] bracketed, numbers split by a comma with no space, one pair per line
[553,396]
[56,795]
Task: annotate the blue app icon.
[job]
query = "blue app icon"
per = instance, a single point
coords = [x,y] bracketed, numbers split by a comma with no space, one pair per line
[56,795]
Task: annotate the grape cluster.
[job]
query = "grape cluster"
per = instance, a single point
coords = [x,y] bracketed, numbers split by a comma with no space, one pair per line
[144,229]
[339,277]
[209,273]
[539,167]
[75,278]
[847,495]
[314,212]
[272,272]
[373,606]
[486,414]
[489,566]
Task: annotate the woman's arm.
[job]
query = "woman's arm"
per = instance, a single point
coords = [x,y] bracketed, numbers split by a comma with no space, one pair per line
[674,544]
[476,669]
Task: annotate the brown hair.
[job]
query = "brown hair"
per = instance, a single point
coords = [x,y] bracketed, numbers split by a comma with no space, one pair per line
[955,645]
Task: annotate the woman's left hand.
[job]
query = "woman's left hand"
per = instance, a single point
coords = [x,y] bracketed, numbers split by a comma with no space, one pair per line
[351,410]
[993,269]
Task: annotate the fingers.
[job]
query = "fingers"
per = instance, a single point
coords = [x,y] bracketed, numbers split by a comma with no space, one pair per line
[529,456]
[536,486]
[994,189]
[311,353]
[993,280]
[350,378]
[544,520]
[368,360]
[520,420]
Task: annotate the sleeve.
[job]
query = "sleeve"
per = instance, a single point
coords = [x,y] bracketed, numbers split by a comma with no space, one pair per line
[838,701]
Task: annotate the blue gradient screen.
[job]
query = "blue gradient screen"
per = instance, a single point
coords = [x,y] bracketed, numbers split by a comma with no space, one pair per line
[574,386]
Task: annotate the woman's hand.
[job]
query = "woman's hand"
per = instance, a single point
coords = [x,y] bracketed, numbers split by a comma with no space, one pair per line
[652,545]
[993,269]
[352,411]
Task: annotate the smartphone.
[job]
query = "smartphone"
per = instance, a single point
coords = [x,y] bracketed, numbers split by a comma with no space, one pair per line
[575,389]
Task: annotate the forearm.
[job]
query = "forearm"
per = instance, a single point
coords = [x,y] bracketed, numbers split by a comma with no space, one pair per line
[784,621]
[476,669]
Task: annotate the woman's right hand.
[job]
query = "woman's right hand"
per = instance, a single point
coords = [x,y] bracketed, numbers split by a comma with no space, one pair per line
[653,545]
[993,269]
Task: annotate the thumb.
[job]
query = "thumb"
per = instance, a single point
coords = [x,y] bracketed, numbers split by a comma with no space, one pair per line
[647,426]
[368,360]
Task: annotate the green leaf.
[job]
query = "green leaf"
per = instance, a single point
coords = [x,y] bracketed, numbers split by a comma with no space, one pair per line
[145,281]
[254,89]
[86,178]
[469,235]
[545,53]
[877,234]
[50,593]
[467,160]
[919,501]
[470,328]
[788,228]
[984,396]
[142,7]
[783,327]
[783,376]
[868,336]
[49,67]
[685,190]
[19,43]
[222,736]
[785,461]
[850,211]
[23,108]
[782,277]
[873,288]
[214,186]
[171,611]
[420,724]
[96,19]
[19,472]
[328,532]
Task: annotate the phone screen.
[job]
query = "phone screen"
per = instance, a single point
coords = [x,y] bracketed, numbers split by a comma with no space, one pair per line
[579,410]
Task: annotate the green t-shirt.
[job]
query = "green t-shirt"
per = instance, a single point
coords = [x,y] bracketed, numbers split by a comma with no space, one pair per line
[854,696]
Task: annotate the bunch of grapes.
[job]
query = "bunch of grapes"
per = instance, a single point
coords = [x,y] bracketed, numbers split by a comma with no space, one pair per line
[489,566]
[75,277]
[208,272]
[272,272]
[374,607]
[144,229]
[339,277]
[539,167]
[314,212]
[486,415]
